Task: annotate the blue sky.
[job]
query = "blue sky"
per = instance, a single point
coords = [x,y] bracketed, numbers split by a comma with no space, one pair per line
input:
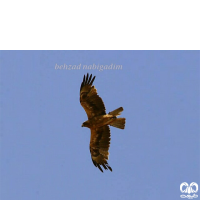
[45,151]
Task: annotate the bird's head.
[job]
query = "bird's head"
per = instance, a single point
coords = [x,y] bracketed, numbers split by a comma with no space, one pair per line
[85,124]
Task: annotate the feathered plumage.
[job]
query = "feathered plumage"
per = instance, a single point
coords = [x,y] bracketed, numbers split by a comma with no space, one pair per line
[98,122]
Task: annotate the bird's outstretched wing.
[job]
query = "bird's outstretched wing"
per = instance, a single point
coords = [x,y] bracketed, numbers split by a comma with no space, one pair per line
[89,99]
[99,146]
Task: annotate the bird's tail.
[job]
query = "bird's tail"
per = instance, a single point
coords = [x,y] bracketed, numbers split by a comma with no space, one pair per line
[118,123]
[116,112]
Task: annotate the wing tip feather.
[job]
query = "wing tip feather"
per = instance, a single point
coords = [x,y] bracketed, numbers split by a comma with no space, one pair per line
[105,165]
[87,80]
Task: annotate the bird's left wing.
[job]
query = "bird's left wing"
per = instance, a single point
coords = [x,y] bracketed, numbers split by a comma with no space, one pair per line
[89,99]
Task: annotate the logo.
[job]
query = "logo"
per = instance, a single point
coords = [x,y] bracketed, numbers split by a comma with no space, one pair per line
[192,188]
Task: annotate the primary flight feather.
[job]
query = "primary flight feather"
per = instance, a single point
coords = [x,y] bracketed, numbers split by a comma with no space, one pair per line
[98,122]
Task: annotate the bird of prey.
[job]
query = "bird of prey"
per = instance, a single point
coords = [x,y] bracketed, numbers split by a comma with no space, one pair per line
[98,122]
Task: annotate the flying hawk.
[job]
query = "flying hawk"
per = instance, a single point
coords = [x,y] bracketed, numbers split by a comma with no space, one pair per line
[98,122]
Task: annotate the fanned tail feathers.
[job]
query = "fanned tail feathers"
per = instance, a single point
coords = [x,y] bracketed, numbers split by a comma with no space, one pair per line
[118,123]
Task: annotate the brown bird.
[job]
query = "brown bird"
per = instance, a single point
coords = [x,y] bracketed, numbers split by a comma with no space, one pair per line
[98,122]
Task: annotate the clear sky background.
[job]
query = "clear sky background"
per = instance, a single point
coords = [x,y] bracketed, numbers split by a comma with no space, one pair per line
[45,151]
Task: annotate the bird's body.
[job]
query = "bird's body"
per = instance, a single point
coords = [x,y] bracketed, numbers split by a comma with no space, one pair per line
[98,122]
